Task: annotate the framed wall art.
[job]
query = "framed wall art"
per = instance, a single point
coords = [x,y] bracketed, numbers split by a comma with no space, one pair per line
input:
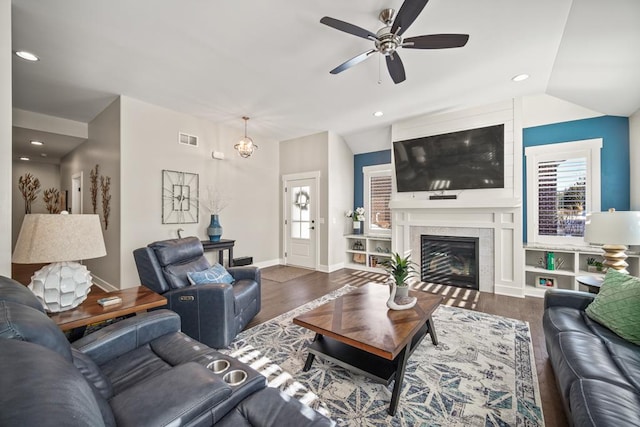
[179,197]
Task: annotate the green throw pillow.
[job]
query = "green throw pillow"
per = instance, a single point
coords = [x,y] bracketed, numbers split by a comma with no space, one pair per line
[617,306]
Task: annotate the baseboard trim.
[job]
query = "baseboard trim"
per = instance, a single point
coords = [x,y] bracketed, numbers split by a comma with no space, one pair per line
[103,284]
[508,291]
[269,263]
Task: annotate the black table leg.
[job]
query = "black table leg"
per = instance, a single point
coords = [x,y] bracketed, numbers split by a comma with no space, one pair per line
[399,377]
[432,331]
[310,357]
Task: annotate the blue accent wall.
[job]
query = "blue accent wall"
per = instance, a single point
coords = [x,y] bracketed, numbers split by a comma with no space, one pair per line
[359,162]
[615,175]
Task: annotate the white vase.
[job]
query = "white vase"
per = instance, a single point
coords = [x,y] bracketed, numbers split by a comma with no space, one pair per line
[357,227]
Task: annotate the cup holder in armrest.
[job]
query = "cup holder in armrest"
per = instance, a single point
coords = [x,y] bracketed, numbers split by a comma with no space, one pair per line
[235,377]
[219,366]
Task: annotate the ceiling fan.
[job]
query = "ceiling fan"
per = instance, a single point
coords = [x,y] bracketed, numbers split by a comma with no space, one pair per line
[388,39]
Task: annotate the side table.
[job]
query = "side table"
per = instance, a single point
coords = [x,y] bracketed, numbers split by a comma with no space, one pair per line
[593,283]
[134,300]
[220,246]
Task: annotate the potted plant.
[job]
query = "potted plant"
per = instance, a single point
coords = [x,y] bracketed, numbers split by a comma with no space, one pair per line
[594,266]
[400,269]
[357,216]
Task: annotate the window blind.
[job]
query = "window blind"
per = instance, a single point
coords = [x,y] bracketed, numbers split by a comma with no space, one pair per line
[562,197]
[380,196]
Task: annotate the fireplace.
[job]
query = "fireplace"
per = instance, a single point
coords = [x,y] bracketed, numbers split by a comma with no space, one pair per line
[450,260]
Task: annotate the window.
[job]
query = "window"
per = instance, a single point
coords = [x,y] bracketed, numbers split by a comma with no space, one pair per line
[377,195]
[563,184]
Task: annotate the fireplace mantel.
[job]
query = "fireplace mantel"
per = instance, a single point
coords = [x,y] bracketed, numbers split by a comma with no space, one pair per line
[489,203]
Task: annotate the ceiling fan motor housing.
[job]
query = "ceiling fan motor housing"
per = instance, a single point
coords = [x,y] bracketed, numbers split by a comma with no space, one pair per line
[387,42]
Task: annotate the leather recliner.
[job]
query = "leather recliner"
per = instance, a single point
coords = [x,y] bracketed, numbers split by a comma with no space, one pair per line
[211,313]
[141,371]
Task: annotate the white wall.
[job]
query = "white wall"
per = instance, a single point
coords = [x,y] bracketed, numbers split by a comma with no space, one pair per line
[543,109]
[5,137]
[309,154]
[340,198]
[149,145]
[49,177]
[101,148]
[634,158]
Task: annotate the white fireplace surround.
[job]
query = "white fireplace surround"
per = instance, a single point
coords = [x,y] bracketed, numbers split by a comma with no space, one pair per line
[498,229]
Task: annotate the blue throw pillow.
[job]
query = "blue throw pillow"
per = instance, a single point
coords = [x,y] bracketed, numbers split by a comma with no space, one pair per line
[215,274]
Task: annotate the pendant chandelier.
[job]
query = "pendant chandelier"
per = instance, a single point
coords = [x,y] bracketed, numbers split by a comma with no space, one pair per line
[245,146]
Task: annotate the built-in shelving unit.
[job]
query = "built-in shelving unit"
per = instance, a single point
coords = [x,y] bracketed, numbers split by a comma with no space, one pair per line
[365,252]
[569,263]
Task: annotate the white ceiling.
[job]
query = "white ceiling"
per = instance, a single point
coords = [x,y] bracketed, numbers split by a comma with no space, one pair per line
[271,60]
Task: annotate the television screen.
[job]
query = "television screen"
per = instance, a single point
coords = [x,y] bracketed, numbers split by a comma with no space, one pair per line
[467,159]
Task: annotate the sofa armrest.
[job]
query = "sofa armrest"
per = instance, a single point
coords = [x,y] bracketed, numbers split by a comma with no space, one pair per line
[270,407]
[127,335]
[176,397]
[248,272]
[567,298]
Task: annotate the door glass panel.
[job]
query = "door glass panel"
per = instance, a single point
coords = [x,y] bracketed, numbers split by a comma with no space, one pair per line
[300,212]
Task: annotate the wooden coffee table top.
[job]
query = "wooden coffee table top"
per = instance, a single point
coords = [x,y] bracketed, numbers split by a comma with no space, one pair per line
[361,319]
[89,311]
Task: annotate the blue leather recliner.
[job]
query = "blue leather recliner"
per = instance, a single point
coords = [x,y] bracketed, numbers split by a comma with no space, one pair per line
[211,313]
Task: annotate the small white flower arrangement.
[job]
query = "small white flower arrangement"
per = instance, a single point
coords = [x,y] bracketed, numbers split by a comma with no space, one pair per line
[356,215]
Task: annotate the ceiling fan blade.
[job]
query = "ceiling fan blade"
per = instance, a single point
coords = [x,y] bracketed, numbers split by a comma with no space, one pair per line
[436,41]
[408,13]
[395,67]
[348,28]
[353,61]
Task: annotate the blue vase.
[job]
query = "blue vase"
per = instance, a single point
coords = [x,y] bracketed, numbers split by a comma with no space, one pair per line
[215,229]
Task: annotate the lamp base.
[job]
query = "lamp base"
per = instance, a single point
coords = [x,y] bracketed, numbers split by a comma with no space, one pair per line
[615,256]
[61,286]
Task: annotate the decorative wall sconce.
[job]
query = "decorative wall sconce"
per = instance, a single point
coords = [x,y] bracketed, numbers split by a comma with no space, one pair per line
[245,146]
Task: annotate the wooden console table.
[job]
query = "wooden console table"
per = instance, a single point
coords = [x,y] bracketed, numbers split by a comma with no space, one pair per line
[134,300]
[220,246]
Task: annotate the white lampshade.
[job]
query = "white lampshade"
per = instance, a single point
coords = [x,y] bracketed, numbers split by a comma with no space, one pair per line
[62,240]
[613,228]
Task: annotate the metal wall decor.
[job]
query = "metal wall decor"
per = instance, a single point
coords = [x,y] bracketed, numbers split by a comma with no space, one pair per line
[179,197]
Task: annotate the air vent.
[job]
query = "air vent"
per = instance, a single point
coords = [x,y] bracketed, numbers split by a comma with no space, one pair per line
[186,139]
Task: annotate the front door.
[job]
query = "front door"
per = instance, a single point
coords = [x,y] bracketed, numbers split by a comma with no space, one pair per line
[300,222]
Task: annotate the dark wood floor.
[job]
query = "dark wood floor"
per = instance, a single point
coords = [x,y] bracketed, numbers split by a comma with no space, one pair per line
[278,298]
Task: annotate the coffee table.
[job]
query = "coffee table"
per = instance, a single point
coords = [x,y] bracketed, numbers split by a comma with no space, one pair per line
[358,332]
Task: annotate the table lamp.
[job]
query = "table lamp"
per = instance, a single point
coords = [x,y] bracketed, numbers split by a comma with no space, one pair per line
[62,240]
[615,230]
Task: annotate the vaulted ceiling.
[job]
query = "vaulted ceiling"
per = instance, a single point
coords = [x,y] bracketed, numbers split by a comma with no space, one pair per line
[271,59]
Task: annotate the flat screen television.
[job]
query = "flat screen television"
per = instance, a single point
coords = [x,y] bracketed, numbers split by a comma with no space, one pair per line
[467,159]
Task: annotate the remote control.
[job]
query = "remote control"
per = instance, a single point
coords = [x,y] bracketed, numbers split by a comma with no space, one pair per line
[109,301]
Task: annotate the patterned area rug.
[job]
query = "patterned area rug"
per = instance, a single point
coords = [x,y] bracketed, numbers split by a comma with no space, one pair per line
[482,373]
[283,273]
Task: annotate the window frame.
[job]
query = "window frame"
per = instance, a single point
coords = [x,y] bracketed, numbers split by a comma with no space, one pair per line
[369,172]
[589,149]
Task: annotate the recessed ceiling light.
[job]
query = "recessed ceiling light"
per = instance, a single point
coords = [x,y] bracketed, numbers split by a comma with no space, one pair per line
[43,154]
[34,142]
[27,55]
[24,158]
[378,114]
[520,77]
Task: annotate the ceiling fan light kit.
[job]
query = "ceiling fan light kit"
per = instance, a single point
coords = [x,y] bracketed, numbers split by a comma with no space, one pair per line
[389,38]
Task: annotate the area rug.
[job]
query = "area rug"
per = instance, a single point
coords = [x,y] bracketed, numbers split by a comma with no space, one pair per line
[482,373]
[283,273]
